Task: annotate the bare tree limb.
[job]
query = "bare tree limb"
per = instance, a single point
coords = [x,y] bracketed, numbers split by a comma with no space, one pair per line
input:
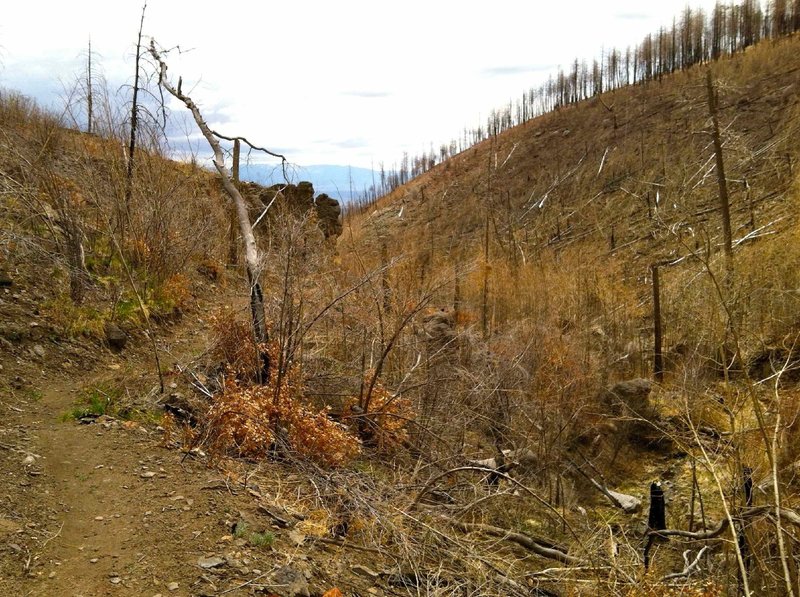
[520,539]
[690,566]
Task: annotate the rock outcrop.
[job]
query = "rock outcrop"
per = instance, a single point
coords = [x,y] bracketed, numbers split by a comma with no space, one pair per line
[329,213]
[298,200]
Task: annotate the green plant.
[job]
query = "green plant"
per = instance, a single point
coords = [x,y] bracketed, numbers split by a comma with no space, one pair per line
[263,539]
[74,320]
[95,403]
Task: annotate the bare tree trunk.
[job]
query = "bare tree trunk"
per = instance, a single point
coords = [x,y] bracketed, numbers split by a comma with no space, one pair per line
[126,208]
[233,239]
[251,253]
[658,359]
[89,98]
[721,180]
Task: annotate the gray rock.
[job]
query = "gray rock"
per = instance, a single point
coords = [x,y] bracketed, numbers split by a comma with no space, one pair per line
[115,336]
[628,403]
[628,503]
[631,397]
[292,581]
[213,562]
[364,571]
[38,350]
[440,331]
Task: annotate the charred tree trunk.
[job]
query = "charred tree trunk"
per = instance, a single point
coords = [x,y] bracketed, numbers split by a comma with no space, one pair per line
[658,358]
[741,537]
[656,519]
[125,214]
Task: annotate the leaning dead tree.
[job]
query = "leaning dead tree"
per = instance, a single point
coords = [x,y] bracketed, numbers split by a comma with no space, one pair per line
[251,253]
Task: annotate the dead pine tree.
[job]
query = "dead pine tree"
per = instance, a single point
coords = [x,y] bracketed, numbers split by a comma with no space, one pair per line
[126,207]
[89,97]
[658,358]
[251,252]
[722,183]
[233,237]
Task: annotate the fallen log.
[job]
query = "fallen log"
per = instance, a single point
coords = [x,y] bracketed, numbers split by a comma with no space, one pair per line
[520,539]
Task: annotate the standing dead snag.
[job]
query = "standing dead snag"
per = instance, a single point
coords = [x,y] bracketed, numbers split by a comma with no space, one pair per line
[656,519]
[251,253]
[722,182]
[126,208]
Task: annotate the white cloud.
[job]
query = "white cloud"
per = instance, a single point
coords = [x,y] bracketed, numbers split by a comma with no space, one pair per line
[395,76]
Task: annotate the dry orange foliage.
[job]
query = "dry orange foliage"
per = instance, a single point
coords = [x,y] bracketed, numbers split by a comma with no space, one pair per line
[233,344]
[248,419]
[244,418]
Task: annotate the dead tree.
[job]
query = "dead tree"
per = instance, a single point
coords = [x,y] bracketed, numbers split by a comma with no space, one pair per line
[713,108]
[233,240]
[126,208]
[89,98]
[658,358]
[251,252]
[656,519]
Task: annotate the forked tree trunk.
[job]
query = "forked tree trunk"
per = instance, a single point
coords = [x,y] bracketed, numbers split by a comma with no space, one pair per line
[251,254]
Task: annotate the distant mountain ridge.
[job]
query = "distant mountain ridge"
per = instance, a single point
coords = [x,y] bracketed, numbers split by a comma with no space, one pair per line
[340,182]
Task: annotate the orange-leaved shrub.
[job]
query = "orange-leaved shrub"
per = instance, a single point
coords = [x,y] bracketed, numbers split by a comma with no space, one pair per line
[249,419]
[233,345]
[245,419]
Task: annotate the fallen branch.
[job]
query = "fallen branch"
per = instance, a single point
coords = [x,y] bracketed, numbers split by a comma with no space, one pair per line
[627,503]
[690,566]
[695,536]
[789,516]
[520,539]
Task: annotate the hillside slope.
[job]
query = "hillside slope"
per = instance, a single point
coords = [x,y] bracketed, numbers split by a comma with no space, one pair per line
[629,172]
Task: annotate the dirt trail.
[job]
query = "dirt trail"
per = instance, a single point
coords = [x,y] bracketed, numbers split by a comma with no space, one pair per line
[103,508]
[117,506]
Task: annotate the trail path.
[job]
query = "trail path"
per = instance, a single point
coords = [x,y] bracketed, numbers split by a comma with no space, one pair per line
[103,508]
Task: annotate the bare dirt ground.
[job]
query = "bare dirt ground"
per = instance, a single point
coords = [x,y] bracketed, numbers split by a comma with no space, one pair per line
[104,508]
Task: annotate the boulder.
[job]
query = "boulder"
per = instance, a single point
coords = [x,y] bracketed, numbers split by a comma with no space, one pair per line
[116,337]
[629,398]
[292,582]
[628,404]
[439,330]
[628,503]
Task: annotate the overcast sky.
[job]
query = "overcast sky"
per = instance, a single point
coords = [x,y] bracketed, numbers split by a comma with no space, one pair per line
[327,82]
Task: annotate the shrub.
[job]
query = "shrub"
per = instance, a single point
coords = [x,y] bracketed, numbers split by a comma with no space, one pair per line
[250,420]
[233,345]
